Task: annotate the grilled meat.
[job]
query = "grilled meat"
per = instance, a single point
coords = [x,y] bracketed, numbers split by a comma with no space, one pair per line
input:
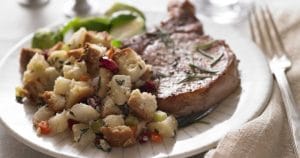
[195,71]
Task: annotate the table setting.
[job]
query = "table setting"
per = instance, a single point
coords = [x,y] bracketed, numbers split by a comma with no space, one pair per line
[259,118]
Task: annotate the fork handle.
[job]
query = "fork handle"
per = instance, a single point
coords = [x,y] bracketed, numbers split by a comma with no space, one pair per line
[292,109]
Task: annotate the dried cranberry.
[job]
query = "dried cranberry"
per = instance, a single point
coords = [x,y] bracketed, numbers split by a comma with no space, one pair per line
[46,54]
[144,137]
[71,122]
[94,101]
[148,86]
[109,64]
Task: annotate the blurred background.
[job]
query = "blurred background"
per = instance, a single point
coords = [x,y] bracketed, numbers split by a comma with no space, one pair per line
[18,20]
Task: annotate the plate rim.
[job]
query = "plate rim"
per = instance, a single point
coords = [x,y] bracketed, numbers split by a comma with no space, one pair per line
[182,154]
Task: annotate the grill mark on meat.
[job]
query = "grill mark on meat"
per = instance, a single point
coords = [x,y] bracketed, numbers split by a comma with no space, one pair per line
[170,49]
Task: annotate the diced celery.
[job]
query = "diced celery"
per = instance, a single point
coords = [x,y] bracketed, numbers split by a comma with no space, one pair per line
[131,120]
[96,125]
[159,116]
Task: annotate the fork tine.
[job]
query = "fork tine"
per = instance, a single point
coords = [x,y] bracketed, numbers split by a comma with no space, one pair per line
[258,35]
[268,29]
[280,48]
[251,25]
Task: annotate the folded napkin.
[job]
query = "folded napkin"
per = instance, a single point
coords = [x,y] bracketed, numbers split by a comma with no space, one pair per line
[269,136]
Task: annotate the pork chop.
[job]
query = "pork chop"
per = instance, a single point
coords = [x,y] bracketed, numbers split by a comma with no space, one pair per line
[195,71]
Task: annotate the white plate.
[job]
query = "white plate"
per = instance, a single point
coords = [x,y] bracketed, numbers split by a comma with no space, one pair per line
[242,106]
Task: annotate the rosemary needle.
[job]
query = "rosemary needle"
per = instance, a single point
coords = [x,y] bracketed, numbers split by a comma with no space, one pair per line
[207,45]
[193,67]
[216,60]
[193,77]
[202,52]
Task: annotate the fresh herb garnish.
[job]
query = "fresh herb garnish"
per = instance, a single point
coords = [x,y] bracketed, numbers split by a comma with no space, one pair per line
[116,43]
[140,66]
[82,132]
[216,60]
[202,52]
[206,46]
[120,82]
[72,113]
[204,70]
[164,37]
[193,77]
[201,48]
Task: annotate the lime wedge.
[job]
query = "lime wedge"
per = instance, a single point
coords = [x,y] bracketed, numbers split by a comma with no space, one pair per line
[121,7]
[129,29]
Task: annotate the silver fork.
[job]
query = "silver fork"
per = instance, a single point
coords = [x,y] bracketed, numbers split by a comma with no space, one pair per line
[265,34]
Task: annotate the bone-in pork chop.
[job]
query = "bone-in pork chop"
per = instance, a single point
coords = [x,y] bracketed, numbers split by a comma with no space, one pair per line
[195,71]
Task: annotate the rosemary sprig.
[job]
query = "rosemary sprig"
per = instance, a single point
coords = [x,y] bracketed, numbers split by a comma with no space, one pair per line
[201,48]
[202,52]
[164,37]
[194,67]
[207,45]
[213,63]
[193,77]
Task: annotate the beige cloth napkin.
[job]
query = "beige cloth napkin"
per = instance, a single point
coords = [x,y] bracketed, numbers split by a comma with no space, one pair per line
[268,136]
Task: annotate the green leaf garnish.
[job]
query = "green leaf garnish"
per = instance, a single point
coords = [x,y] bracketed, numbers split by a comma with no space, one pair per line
[116,43]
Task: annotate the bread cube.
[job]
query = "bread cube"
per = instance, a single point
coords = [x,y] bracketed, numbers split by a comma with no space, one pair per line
[78,91]
[83,135]
[26,55]
[57,59]
[166,128]
[104,78]
[62,86]
[58,123]
[119,136]
[74,91]
[93,54]
[130,63]
[142,104]
[109,107]
[78,38]
[75,71]
[83,113]
[38,77]
[54,101]
[99,38]
[42,114]
[120,86]
[114,120]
